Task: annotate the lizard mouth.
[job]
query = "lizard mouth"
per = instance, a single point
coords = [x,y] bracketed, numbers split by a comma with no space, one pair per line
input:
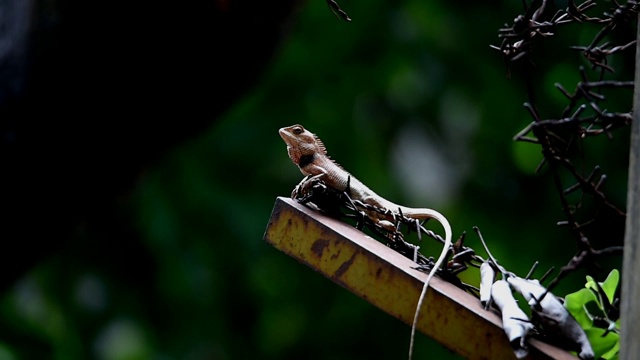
[284,134]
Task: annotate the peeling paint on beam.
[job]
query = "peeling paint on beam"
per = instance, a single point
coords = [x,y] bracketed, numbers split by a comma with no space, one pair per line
[386,279]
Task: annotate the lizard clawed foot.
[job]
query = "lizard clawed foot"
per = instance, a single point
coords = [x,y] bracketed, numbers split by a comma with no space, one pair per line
[304,188]
[392,230]
[387,225]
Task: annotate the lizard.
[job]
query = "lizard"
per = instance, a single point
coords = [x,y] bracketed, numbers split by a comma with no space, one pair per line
[307,151]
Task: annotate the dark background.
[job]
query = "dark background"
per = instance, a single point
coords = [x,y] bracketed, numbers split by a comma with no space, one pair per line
[140,162]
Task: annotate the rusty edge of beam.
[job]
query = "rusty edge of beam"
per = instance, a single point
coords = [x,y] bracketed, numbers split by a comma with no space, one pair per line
[387,280]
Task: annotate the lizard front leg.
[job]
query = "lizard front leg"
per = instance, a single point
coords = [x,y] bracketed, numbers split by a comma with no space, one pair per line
[305,185]
[314,174]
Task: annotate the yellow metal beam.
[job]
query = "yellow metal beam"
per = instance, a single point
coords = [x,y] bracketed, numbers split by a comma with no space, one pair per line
[386,279]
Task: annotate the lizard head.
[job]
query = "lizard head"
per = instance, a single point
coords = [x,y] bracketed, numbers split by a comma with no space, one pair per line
[302,145]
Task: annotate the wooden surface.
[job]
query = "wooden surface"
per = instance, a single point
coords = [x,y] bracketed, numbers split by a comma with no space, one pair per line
[630,311]
[387,279]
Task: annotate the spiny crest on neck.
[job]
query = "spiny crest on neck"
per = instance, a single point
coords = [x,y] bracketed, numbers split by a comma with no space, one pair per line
[320,145]
[323,151]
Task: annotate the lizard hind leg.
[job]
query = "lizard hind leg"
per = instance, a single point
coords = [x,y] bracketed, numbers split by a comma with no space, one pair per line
[387,225]
[390,230]
[382,215]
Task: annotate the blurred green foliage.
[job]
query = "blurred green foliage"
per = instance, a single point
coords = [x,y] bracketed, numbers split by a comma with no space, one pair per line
[410,98]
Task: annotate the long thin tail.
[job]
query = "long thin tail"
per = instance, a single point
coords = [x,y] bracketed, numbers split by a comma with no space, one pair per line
[447,244]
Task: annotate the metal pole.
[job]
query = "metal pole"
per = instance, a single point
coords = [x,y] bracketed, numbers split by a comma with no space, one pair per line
[630,311]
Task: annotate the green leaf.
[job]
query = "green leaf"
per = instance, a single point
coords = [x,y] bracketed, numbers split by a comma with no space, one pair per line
[613,353]
[606,347]
[575,304]
[591,284]
[611,284]
[608,286]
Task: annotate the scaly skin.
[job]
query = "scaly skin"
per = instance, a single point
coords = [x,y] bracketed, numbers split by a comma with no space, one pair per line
[307,151]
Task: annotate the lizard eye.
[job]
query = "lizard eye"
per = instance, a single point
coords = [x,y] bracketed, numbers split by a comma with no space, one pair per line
[297,130]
